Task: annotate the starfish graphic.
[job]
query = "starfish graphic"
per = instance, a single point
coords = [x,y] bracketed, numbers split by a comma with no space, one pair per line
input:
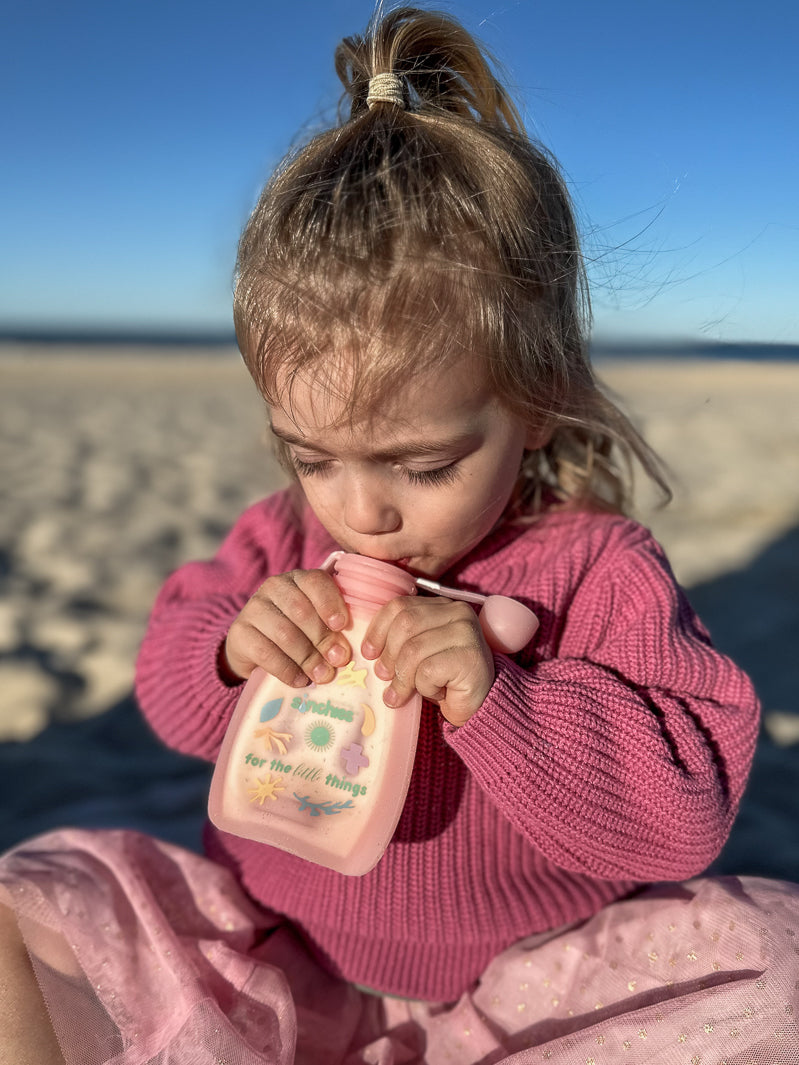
[266,789]
[351,677]
[279,739]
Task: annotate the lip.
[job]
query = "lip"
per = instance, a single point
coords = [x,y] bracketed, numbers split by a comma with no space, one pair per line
[402,563]
[413,564]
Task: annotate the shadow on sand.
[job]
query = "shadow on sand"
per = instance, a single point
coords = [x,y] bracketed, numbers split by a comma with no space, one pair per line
[110,771]
[753,616]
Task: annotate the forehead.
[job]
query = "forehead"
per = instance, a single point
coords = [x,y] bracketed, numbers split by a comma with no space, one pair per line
[431,403]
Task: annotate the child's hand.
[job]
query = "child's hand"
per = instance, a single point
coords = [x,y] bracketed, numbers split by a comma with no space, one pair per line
[435,647]
[290,628]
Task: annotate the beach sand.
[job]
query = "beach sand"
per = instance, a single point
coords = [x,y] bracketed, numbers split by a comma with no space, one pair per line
[118,466]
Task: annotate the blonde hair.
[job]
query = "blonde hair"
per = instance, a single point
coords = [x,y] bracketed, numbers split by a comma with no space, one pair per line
[412,237]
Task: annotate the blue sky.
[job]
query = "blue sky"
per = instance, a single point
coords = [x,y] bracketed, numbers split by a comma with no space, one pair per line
[137,133]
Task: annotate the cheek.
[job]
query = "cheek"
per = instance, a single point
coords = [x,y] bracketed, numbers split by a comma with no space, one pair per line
[321,501]
[476,511]
[490,491]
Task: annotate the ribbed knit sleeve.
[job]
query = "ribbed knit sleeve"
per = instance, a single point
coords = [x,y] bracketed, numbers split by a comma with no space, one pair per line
[178,686]
[622,749]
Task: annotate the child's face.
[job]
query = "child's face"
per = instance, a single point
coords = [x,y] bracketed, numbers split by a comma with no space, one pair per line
[419,481]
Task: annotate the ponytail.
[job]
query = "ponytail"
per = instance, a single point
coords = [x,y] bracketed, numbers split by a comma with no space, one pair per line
[442,65]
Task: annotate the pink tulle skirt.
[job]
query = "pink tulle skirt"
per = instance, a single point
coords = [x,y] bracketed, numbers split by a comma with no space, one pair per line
[148,954]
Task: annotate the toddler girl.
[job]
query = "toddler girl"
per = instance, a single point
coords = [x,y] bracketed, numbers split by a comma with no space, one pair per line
[411,304]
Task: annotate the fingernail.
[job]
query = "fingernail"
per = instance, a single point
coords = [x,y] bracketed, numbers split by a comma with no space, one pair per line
[337,621]
[337,656]
[321,672]
[300,681]
[368,650]
[390,697]
[382,672]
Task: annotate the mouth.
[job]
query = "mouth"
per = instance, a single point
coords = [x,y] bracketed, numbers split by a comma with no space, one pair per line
[403,562]
[413,564]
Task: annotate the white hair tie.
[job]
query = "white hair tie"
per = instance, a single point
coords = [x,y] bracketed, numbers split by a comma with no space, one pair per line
[386,88]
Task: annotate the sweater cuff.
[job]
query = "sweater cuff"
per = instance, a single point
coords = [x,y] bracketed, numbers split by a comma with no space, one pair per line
[190,703]
[501,723]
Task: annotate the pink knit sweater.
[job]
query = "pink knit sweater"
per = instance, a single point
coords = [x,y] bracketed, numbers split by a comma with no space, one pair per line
[612,751]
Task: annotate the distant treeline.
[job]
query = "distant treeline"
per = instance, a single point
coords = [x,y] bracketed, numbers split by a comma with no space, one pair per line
[694,349]
[129,338]
[224,340]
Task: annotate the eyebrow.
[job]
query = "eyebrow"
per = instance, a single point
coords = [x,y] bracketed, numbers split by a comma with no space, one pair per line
[410,447]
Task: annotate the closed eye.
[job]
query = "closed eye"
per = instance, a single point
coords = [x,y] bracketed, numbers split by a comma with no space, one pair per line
[309,469]
[440,475]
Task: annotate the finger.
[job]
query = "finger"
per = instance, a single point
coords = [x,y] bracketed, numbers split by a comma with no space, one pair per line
[303,639]
[452,660]
[306,599]
[327,600]
[431,661]
[459,707]
[325,596]
[247,648]
[374,639]
[311,599]
[281,622]
[413,617]
[458,701]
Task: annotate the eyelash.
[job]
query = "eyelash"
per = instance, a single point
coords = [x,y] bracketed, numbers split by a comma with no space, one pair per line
[440,476]
[308,469]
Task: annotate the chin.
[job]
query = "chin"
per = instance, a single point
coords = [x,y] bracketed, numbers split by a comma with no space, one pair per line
[432,568]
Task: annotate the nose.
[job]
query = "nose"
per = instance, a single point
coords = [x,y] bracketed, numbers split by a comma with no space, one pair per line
[368,507]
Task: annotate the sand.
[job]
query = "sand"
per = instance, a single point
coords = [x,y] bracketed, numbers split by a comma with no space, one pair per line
[117,466]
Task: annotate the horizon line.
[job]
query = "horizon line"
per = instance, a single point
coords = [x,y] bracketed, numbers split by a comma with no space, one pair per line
[95,336]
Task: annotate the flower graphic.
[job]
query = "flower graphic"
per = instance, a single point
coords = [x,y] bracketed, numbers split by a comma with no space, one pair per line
[319,736]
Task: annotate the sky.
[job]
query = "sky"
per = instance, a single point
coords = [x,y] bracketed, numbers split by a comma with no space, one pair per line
[136,134]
